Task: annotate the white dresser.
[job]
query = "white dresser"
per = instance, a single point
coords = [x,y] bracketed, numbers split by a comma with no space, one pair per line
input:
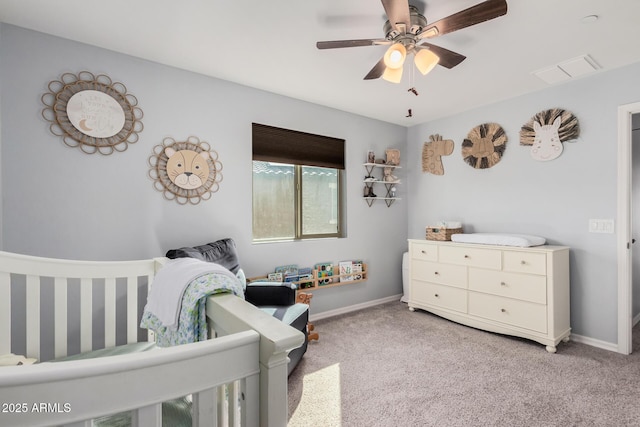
[508,290]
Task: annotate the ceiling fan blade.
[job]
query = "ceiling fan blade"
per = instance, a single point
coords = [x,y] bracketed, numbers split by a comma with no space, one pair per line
[397,12]
[481,12]
[448,58]
[376,71]
[349,43]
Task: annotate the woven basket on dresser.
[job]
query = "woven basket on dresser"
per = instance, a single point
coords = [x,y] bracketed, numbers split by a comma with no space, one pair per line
[441,233]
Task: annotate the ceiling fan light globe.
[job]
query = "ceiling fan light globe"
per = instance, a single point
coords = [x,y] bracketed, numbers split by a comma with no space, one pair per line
[426,60]
[395,55]
[393,75]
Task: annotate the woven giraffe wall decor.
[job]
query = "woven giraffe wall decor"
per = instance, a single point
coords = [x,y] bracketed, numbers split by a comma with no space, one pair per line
[432,153]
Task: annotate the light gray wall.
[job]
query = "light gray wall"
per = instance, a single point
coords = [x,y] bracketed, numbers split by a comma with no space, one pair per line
[552,199]
[60,202]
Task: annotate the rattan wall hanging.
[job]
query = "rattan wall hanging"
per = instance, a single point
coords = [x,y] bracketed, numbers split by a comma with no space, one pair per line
[185,171]
[92,112]
[432,153]
[546,131]
[484,146]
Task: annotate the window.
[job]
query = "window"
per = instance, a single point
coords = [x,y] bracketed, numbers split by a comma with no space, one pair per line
[296,184]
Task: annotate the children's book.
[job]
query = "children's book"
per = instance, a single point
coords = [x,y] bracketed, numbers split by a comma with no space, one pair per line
[346,268]
[325,271]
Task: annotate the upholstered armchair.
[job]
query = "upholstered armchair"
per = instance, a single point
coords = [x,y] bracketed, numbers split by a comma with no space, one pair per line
[278,300]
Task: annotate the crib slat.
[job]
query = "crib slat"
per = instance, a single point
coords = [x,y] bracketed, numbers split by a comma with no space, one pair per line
[149,416]
[110,312]
[250,395]
[221,404]
[60,316]
[205,411]
[33,316]
[233,403]
[132,309]
[5,313]
[86,321]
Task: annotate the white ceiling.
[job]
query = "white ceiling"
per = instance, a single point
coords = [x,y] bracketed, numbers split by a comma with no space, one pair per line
[270,45]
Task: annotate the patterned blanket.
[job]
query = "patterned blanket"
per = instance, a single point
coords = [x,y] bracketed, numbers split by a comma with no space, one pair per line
[192,321]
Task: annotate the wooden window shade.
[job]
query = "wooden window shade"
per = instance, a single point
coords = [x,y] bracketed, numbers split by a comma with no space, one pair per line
[271,144]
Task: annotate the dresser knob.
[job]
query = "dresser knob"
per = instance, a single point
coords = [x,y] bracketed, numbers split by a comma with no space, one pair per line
[437,296]
[503,310]
[523,262]
[424,252]
[436,273]
[466,256]
[503,284]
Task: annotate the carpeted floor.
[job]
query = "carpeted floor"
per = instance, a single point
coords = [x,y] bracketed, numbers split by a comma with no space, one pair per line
[387,366]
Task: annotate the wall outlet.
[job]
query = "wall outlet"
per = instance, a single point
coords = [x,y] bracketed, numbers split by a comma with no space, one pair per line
[601,226]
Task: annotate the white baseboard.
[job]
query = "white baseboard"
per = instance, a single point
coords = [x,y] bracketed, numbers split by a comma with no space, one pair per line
[577,338]
[356,307]
[594,342]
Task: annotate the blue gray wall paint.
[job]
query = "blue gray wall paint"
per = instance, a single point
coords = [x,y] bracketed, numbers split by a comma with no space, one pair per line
[73,205]
[552,199]
[60,202]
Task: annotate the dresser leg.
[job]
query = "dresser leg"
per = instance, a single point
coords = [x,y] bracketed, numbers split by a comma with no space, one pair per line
[551,349]
[565,339]
[412,309]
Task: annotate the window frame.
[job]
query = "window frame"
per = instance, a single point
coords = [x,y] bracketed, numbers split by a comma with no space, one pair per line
[299,234]
[300,149]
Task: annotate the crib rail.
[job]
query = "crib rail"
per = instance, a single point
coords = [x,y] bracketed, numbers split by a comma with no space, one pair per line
[227,314]
[247,360]
[71,392]
[45,286]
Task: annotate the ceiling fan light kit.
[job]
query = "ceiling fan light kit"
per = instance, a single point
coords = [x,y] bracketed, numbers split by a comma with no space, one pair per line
[426,60]
[395,55]
[406,27]
[393,75]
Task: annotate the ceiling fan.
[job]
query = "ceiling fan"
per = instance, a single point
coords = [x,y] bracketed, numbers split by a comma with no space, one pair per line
[406,27]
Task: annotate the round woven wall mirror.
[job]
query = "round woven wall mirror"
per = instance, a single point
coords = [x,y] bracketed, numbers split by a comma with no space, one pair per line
[92,113]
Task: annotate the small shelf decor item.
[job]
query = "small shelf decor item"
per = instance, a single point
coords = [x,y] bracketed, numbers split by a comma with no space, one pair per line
[432,153]
[443,231]
[387,178]
[484,146]
[546,131]
[185,171]
[92,113]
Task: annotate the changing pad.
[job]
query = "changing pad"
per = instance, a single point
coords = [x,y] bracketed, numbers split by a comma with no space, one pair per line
[522,240]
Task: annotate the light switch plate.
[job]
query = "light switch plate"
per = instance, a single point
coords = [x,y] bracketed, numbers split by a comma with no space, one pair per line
[601,226]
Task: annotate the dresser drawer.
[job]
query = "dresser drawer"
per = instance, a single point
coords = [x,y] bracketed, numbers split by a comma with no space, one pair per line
[445,274]
[525,287]
[439,296]
[525,262]
[485,258]
[523,314]
[424,251]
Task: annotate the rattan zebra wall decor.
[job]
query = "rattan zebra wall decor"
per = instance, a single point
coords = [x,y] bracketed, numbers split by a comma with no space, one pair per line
[546,131]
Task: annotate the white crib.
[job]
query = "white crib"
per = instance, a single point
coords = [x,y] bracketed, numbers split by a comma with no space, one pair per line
[238,378]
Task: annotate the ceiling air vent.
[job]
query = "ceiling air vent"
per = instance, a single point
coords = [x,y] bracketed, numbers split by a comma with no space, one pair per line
[567,70]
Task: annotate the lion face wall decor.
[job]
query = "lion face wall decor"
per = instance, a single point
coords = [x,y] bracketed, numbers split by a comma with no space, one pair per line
[186,171]
[546,131]
[484,146]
